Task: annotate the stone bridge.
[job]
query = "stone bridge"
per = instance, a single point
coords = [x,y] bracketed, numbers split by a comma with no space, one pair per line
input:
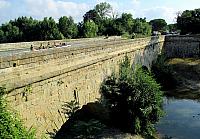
[40,81]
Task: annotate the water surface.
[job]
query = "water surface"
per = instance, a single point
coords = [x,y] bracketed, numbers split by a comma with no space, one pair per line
[182,119]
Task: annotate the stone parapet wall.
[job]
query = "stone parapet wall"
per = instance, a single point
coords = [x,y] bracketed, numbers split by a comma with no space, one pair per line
[46,55]
[37,44]
[182,46]
[28,67]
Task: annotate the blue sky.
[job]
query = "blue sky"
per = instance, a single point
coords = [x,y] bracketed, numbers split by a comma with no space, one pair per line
[151,9]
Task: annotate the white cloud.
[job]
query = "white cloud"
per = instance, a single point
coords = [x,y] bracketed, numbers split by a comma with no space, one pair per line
[132,6]
[135,2]
[166,13]
[4,4]
[56,9]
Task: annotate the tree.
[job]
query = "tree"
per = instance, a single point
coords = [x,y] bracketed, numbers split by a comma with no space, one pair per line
[90,29]
[109,27]
[134,99]
[49,30]
[2,36]
[12,33]
[103,9]
[94,16]
[118,27]
[91,15]
[67,27]
[99,15]
[147,29]
[127,22]
[172,27]
[189,21]
[80,30]
[158,25]
[27,27]
[138,26]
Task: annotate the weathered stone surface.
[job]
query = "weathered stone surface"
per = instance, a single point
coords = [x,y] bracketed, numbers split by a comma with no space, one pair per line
[54,75]
[182,46]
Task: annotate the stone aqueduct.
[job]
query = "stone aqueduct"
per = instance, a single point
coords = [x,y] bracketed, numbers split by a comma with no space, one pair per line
[39,82]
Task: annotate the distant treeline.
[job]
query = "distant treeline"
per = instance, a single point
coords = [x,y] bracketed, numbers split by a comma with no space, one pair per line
[99,21]
[96,22]
[189,21]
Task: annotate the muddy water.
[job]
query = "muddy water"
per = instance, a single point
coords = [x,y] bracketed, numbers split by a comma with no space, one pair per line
[182,119]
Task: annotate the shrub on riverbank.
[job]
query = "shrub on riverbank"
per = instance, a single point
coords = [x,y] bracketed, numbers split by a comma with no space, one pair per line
[163,73]
[134,98]
[10,126]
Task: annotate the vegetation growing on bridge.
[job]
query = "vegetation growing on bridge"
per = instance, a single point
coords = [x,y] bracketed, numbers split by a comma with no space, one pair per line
[10,126]
[134,98]
[131,101]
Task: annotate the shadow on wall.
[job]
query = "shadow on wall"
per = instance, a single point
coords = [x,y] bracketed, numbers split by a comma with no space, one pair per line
[150,53]
[87,122]
[94,117]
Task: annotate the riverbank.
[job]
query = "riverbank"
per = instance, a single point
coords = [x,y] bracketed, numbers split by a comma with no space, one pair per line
[186,72]
[181,104]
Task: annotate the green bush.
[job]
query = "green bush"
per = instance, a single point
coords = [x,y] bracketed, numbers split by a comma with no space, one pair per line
[90,29]
[134,98]
[126,35]
[10,126]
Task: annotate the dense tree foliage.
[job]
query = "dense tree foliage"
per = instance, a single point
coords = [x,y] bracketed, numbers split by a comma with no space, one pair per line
[91,15]
[28,29]
[172,27]
[123,25]
[142,27]
[90,29]
[67,27]
[103,9]
[48,30]
[96,22]
[158,25]
[134,98]
[189,21]
[10,33]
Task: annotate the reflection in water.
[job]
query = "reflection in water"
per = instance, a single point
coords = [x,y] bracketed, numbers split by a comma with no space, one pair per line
[182,119]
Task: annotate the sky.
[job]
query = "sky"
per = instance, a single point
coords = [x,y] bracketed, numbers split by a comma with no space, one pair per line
[38,9]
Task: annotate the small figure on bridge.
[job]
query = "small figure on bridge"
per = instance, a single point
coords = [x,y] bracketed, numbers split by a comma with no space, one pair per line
[32,48]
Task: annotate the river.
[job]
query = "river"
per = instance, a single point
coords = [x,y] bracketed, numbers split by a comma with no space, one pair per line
[182,106]
[181,120]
